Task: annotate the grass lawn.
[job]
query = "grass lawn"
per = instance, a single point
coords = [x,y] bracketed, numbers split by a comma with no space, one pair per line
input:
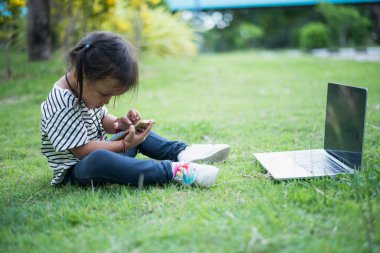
[254,102]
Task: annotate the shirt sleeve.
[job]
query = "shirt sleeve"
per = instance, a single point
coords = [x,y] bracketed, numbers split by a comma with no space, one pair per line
[103,112]
[66,129]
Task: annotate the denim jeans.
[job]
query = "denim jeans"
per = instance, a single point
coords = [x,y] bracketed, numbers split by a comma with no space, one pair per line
[103,166]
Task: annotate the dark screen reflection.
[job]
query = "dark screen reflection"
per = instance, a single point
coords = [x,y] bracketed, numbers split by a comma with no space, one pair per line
[345,119]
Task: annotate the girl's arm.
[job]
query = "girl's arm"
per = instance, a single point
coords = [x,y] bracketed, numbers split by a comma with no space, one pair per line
[108,123]
[131,140]
[115,146]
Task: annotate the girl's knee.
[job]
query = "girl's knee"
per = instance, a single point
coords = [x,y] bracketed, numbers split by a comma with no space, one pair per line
[97,158]
[98,154]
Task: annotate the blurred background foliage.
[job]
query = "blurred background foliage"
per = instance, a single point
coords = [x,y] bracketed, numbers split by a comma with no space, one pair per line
[12,29]
[314,35]
[147,23]
[154,29]
[322,26]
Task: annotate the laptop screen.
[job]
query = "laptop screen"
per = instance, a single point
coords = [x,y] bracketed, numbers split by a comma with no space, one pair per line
[345,121]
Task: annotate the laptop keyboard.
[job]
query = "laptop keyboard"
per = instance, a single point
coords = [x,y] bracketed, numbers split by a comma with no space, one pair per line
[319,163]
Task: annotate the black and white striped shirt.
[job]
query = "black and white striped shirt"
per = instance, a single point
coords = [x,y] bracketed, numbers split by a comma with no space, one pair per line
[65,125]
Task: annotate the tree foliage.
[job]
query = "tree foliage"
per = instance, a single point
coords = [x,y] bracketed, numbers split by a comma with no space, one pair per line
[153,29]
[72,19]
[10,11]
[347,25]
[146,23]
[275,28]
[10,27]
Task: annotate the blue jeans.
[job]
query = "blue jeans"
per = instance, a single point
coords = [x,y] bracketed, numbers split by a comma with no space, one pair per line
[103,166]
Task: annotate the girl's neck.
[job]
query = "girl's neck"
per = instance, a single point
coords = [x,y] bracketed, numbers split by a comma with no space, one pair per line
[71,87]
[68,82]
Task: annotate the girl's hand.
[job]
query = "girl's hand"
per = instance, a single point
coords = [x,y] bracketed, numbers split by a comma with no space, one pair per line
[133,138]
[134,116]
[123,123]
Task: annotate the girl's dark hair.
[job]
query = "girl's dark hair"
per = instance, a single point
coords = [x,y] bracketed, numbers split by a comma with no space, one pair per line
[102,55]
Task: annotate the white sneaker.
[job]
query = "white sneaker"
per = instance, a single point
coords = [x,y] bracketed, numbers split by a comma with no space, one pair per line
[205,153]
[192,173]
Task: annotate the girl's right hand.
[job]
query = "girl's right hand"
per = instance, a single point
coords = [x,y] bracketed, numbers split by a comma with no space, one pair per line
[133,138]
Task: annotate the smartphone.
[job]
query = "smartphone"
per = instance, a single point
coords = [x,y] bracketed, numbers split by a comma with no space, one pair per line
[139,126]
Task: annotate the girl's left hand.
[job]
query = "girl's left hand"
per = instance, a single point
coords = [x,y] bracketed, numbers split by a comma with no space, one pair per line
[125,122]
[134,116]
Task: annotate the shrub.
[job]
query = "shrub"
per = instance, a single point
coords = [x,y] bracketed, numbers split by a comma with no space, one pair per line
[154,30]
[314,35]
[247,35]
[164,34]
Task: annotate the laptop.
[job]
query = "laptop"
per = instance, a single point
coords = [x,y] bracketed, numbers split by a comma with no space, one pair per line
[343,141]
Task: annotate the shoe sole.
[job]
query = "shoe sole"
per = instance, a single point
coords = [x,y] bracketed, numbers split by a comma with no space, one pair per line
[219,156]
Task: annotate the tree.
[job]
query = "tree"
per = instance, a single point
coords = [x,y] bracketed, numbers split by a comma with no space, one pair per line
[345,23]
[39,37]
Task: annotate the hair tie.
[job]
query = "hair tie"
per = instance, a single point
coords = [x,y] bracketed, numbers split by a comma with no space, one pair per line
[87,46]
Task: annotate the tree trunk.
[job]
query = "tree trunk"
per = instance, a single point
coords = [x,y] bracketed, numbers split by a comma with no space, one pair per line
[8,59]
[342,37]
[39,37]
[67,39]
[376,21]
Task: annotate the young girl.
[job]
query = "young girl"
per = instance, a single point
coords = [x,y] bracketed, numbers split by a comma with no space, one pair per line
[75,122]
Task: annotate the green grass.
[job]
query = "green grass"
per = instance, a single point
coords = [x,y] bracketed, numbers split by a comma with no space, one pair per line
[254,102]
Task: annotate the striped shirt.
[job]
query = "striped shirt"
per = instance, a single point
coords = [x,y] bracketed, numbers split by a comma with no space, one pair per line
[65,125]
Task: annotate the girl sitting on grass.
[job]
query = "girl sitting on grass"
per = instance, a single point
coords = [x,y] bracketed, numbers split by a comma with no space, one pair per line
[75,122]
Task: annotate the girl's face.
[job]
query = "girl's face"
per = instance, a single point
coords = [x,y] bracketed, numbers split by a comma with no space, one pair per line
[98,93]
